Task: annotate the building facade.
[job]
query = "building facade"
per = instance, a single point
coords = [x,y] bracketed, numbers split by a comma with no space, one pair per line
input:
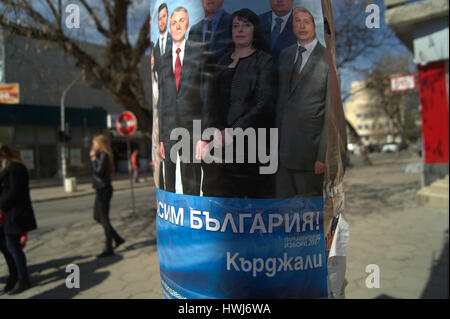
[371,124]
[43,71]
[423,27]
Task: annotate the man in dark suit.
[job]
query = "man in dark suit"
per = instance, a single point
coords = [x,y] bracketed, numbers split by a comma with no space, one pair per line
[303,108]
[164,42]
[180,102]
[276,27]
[214,30]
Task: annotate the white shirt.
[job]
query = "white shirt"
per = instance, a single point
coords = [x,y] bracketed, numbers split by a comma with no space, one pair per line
[174,53]
[306,54]
[163,42]
[283,24]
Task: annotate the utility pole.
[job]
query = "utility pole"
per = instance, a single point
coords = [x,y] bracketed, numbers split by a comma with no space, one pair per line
[63,127]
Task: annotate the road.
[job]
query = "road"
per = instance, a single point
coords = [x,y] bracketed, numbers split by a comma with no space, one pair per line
[60,213]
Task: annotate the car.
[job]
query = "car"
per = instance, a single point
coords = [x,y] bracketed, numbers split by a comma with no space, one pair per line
[353,148]
[389,148]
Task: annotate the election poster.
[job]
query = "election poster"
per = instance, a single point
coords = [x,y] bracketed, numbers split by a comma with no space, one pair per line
[248,130]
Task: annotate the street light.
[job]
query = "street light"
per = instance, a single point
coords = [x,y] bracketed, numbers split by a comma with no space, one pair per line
[63,127]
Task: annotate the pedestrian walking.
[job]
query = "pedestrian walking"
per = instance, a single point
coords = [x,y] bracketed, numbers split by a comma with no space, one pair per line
[102,164]
[135,165]
[18,217]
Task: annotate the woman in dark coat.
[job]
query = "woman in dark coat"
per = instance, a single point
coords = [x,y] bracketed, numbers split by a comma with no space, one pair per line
[102,164]
[242,95]
[15,203]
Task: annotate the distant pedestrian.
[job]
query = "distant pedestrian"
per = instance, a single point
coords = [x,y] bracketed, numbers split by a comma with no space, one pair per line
[102,164]
[135,165]
[18,217]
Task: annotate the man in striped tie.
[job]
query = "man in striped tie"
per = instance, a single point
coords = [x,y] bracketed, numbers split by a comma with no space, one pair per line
[180,103]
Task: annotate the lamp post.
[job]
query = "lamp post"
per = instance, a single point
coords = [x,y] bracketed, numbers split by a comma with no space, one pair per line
[63,127]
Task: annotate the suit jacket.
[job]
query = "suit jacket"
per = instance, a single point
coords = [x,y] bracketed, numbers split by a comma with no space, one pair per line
[303,110]
[221,39]
[15,201]
[179,109]
[286,38]
[157,52]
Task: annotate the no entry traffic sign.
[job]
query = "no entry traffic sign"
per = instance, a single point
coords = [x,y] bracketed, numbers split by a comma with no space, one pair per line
[126,123]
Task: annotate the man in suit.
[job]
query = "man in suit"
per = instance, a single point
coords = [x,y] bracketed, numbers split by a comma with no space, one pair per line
[164,42]
[214,29]
[276,27]
[180,101]
[303,108]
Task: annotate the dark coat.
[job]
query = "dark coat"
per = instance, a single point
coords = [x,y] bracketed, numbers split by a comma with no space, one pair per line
[179,109]
[303,110]
[285,40]
[252,97]
[246,101]
[100,170]
[221,39]
[15,201]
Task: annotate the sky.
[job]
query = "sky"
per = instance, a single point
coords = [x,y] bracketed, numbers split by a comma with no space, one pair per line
[140,8]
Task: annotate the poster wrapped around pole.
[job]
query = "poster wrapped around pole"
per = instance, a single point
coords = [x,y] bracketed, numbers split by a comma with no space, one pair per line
[249,144]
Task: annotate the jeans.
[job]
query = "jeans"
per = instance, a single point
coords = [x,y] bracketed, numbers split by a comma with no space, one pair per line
[101,215]
[8,257]
[20,261]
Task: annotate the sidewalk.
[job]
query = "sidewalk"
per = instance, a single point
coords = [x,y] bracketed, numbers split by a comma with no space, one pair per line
[132,273]
[45,194]
[387,228]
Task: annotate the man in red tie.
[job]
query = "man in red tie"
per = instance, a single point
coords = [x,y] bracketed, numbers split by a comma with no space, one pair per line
[180,102]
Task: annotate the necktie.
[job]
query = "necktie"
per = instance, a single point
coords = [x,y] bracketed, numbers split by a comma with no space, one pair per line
[163,47]
[208,32]
[178,69]
[275,33]
[298,64]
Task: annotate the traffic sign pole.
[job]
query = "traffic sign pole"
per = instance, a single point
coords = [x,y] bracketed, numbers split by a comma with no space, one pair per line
[126,124]
[130,170]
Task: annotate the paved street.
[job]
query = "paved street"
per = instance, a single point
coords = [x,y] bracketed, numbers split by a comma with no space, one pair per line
[67,235]
[387,228]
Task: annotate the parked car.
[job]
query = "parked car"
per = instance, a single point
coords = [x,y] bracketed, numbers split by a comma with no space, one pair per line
[353,148]
[389,148]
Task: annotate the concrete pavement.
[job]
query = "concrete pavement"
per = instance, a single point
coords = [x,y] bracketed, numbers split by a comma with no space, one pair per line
[387,228]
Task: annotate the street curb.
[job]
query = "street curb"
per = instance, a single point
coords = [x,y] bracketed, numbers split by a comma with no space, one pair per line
[86,193]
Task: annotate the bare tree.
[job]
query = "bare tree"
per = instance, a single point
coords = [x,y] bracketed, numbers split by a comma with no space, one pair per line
[357,47]
[118,68]
[401,108]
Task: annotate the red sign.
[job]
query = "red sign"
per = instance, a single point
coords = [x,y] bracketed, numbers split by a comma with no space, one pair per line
[126,123]
[403,83]
[9,93]
[434,107]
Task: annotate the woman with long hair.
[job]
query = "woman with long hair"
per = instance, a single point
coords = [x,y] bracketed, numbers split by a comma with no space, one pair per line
[102,164]
[18,216]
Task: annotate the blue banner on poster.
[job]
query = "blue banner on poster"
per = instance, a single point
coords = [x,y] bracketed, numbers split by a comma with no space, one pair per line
[241,248]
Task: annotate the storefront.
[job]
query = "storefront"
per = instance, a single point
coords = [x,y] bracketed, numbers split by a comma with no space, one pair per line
[33,131]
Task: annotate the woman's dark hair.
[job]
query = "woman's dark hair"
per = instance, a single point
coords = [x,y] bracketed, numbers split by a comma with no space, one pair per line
[250,16]
[9,154]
